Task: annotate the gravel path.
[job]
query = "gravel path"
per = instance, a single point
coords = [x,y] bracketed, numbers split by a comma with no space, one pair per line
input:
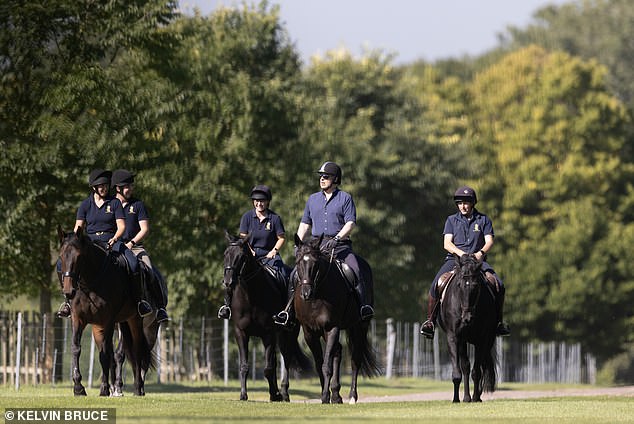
[507,394]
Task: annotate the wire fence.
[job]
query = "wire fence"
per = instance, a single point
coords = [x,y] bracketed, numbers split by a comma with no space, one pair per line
[35,349]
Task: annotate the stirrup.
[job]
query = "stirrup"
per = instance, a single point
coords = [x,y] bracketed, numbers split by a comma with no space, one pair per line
[161,315]
[281,318]
[502,329]
[427,329]
[63,310]
[224,312]
[367,312]
[143,308]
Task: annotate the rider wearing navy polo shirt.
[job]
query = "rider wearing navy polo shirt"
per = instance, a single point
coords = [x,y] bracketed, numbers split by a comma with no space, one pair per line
[467,231]
[137,227]
[266,237]
[332,213]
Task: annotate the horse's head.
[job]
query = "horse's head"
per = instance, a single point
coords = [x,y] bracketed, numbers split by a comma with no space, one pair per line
[308,266]
[469,285]
[236,255]
[71,254]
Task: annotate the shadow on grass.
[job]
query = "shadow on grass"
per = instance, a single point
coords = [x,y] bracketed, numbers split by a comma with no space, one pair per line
[220,388]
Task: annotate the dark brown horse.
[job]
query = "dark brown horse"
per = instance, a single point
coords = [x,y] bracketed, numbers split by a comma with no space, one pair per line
[325,304]
[256,298]
[100,293]
[468,315]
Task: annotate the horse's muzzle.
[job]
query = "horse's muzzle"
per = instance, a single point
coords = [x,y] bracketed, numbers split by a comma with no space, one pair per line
[69,294]
[306,290]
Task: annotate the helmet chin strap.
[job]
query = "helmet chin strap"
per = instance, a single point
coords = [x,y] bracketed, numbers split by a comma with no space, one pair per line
[94,189]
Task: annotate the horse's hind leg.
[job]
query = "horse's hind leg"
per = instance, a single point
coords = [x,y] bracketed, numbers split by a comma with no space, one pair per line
[78,328]
[476,375]
[117,372]
[103,339]
[270,367]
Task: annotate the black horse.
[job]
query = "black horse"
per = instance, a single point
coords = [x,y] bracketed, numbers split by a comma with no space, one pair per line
[325,304]
[468,315]
[100,293]
[256,297]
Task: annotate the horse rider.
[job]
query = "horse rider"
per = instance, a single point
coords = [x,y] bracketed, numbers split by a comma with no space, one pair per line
[137,227]
[466,231]
[266,235]
[331,212]
[103,219]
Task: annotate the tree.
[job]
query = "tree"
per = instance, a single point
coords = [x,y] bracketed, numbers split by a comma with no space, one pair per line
[53,92]
[553,137]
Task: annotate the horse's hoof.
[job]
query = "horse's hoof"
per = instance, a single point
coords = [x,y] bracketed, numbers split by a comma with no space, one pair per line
[244,397]
[352,401]
[80,392]
[276,397]
[336,401]
[117,393]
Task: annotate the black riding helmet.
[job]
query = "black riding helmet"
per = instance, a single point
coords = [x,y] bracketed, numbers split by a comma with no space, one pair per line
[98,177]
[332,169]
[122,177]
[465,194]
[261,192]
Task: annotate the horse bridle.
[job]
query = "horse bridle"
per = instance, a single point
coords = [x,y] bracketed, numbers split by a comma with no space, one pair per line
[238,269]
[468,280]
[318,274]
[75,277]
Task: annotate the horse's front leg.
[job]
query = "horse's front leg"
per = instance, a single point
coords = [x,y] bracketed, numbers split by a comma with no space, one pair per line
[335,384]
[314,344]
[465,366]
[332,345]
[103,340]
[270,367]
[78,329]
[456,375]
[242,339]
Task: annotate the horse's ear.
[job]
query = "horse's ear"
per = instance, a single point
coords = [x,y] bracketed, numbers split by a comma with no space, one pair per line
[227,236]
[79,232]
[60,233]
[321,237]
[298,241]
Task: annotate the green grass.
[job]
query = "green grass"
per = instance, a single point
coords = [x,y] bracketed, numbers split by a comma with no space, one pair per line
[202,403]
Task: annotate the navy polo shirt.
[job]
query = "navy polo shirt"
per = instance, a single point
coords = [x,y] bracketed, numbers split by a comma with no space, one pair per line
[262,234]
[102,218]
[134,211]
[468,233]
[329,217]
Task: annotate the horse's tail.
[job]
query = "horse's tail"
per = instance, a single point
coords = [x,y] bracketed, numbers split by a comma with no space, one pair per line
[361,351]
[489,370]
[146,359]
[294,356]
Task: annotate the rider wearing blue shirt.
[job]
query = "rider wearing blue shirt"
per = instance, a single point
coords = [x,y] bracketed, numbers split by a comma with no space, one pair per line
[137,227]
[266,234]
[467,231]
[332,213]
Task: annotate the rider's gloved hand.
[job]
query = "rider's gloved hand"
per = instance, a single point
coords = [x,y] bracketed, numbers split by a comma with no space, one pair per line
[331,244]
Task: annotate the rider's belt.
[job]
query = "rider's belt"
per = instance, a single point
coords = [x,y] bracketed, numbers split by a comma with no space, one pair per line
[101,233]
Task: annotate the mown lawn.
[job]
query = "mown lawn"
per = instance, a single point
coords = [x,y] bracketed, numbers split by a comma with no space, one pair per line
[213,402]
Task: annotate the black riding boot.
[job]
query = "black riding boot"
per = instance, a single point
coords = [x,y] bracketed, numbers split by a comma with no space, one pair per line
[366,311]
[143,307]
[427,329]
[286,317]
[503,328]
[225,310]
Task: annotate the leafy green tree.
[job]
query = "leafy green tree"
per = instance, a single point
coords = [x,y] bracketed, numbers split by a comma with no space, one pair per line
[553,138]
[596,29]
[54,91]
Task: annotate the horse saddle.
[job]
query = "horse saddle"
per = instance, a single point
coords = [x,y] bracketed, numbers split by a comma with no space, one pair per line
[277,275]
[445,280]
[348,273]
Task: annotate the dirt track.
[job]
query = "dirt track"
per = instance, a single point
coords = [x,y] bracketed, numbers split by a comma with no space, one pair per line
[507,394]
